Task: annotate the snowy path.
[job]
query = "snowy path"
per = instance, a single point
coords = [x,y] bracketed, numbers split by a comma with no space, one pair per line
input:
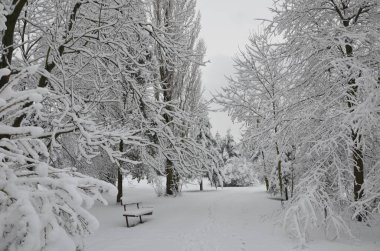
[231,219]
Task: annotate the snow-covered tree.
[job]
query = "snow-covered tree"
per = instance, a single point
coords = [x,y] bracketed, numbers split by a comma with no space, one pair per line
[256,98]
[41,206]
[178,75]
[229,147]
[332,46]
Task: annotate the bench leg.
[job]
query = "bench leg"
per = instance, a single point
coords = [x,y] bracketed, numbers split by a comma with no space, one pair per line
[126,219]
[140,219]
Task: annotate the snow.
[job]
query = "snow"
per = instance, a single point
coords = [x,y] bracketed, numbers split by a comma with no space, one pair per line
[42,169]
[3,71]
[228,219]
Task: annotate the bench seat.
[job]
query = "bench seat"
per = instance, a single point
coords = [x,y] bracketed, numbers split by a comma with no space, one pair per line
[138,212]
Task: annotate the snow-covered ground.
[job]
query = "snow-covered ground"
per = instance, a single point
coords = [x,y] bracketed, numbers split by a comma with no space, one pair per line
[231,219]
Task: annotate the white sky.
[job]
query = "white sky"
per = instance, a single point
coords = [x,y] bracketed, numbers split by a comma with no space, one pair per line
[226,25]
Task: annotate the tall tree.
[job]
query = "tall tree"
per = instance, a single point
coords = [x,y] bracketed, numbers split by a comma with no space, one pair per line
[176,70]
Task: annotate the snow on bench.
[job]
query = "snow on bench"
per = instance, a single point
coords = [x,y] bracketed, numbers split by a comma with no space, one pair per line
[136,212]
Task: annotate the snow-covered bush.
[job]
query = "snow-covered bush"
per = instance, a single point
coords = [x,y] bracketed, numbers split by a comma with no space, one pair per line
[41,207]
[158,184]
[239,172]
[313,208]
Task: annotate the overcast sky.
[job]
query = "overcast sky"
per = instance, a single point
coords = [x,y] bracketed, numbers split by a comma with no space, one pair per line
[226,25]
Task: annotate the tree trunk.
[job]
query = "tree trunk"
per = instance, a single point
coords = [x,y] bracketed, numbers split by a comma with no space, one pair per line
[265,171]
[171,179]
[357,151]
[266,183]
[292,186]
[358,171]
[171,184]
[7,42]
[120,177]
[119,185]
[8,36]
[279,170]
[357,155]
[286,193]
[201,185]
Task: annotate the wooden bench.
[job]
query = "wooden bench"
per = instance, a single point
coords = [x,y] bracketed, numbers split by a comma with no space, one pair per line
[136,212]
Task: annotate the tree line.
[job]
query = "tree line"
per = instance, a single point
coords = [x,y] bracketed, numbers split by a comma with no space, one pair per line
[307,90]
[83,83]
